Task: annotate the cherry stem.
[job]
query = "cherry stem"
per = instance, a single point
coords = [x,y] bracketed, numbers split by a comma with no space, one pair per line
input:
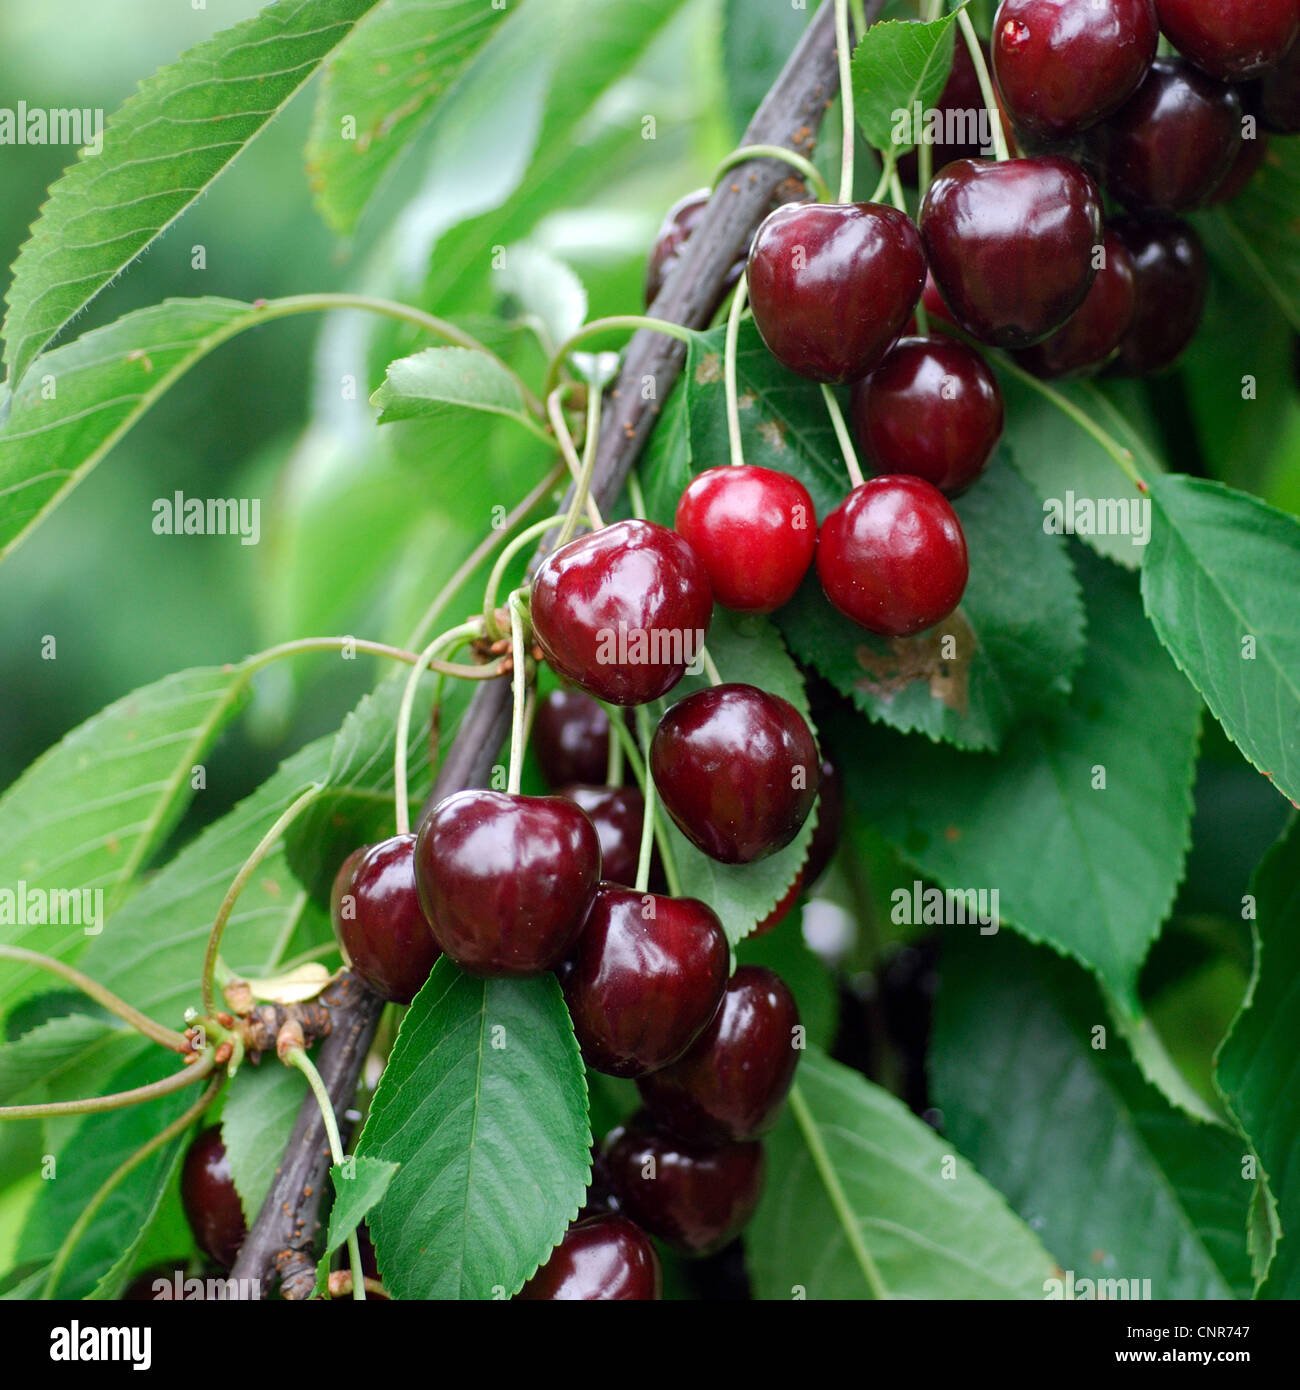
[886,172]
[710,668]
[582,482]
[844,53]
[729,370]
[896,190]
[633,322]
[561,427]
[859,13]
[297,1058]
[519,687]
[246,870]
[812,175]
[530,533]
[118,1100]
[614,762]
[635,496]
[651,795]
[177,1042]
[334,644]
[986,84]
[640,772]
[842,434]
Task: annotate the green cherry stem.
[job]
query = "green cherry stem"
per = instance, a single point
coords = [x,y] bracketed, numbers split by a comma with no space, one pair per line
[118,1100]
[519,688]
[842,434]
[986,83]
[582,482]
[650,793]
[844,52]
[555,409]
[812,175]
[886,173]
[642,775]
[633,322]
[710,667]
[738,299]
[529,533]
[359,644]
[859,13]
[635,496]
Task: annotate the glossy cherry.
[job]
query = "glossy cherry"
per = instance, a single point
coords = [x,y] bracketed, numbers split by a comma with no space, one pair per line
[1062,65]
[678,224]
[602,1259]
[378,919]
[736,769]
[694,1197]
[932,409]
[1276,95]
[209,1198]
[505,880]
[755,530]
[1172,278]
[1230,39]
[892,556]
[832,285]
[1091,335]
[571,738]
[618,814]
[623,612]
[645,978]
[1169,147]
[735,1077]
[1011,245]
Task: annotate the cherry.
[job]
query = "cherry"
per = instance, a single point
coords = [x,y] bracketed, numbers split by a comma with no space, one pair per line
[892,556]
[623,612]
[378,921]
[571,738]
[961,105]
[1172,278]
[821,850]
[678,224]
[1276,95]
[782,910]
[1230,39]
[754,529]
[832,285]
[1245,168]
[932,409]
[646,977]
[618,814]
[505,880]
[736,769]
[1061,66]
[209,1198]
[603,1259]
[734,1079]
[1173,143]
[694,1197]
[1011,244]
[1090,336]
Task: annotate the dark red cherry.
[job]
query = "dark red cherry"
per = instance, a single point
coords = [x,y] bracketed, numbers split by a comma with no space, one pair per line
[1090,336]
[892,556]
[678,224]
[1276,95]
[211,1203]
[821,850]
[646,976]
[1169,147]
[832,285]
[618,814]
[694,1197]
[932,409]
[505,880]
[1172,278]
[623,612]
[734,1079]
[1011,245]
[1244,169]
[571,738]
[1230,39]
[960,108]
[603,1259]
[378,920]
[1062,65]
[754,529]
[736,769]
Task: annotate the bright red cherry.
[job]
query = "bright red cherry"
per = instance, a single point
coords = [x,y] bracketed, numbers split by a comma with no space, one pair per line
[601,1260]
[932,409]
[736,769]
[211,1203]
[755,530]
[623,612]
[892,556]
[1172,278]
[505,880]
[732,1082]
[694,1197]
[1062,65]
[1089,338]
[618,814]
[1173,143]
[833,285]
[571,738]
[678,224]
[646,977]
[1276,95]
[1230,39]
[1011,245]
[378,920]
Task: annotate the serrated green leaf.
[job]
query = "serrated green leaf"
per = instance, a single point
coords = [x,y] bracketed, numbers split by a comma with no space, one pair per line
[863,1200]
[358,1185]
[1218,583]
[431,381]
[484,1105]
[895,66]
[257,1120]
[36,1057]
[114,1279]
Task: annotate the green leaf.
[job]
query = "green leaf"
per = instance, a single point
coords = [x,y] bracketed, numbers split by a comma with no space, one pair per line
[160,151]
[36,1057]
[543,291]
[382,89]
[895,66]
[484,1104]
[1256,1066]
[1090,869]
[436,378]
[359,1183]
[1044,1097]
[257,1120]
[863,1200]
[756,42]
[115,1279]
[1218,584]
